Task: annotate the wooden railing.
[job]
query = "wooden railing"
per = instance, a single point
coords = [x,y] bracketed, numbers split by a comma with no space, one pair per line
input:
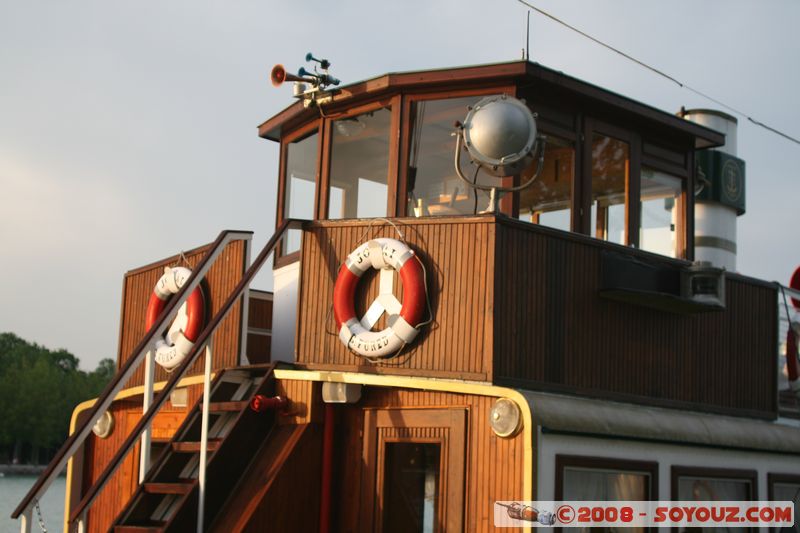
[79,436]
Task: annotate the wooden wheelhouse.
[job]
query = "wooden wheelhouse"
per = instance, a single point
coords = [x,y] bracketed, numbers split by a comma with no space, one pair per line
[565,314]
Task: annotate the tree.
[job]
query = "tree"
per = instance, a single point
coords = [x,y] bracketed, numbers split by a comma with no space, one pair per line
[39,388]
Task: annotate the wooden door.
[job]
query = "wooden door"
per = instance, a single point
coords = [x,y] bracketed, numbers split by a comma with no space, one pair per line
[414,473]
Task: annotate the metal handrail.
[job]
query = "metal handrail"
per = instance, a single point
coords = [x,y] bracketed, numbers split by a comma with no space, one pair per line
[200,343]
[76,440]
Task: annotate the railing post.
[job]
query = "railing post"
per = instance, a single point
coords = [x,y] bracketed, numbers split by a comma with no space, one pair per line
[201,474]
[25,521]
[82,523]
[147,400]
[245,321]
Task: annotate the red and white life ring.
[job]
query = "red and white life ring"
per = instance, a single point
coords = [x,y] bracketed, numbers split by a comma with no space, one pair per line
[173,348]
[381,254]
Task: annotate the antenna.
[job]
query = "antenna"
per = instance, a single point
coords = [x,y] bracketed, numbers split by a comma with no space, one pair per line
[528,38]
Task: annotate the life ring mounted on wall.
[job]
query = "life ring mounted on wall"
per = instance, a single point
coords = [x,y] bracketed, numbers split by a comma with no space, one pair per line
[385,255]
[173,348]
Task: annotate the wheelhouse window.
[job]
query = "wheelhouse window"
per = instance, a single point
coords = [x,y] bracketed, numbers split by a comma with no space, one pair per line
[301,175]
[359,165]
[548,200]
[661,221]
[433,188]
[610,178]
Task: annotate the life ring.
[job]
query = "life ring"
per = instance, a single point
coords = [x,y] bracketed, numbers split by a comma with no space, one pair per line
[381,254]
[173,348]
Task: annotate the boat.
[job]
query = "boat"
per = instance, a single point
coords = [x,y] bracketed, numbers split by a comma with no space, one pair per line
[492,283]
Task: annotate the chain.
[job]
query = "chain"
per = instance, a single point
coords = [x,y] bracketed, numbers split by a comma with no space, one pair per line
[39,517]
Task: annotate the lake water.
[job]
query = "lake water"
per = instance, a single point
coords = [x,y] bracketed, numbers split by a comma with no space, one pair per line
[14,488]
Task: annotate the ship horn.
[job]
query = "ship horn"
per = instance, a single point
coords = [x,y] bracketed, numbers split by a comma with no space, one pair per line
[279,75]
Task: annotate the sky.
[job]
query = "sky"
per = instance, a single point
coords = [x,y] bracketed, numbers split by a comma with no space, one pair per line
[128,129]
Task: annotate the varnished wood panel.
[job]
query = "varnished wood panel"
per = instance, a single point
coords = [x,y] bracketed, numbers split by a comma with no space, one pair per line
[554,330]
[493,470]
[99,452]
[259,324]
[458,256]
[221,279]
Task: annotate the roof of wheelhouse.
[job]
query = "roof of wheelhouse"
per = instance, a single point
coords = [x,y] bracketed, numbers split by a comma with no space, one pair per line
[519,73]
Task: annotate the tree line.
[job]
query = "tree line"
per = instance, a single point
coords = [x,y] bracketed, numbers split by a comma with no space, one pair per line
[39,388]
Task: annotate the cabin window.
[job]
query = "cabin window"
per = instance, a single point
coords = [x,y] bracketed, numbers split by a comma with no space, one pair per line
[547,200]
[713,484]
[661,212]
[411,486]
[610,178]
[359,165]
[605,479]
[433,188]
[783,487]
[301,174]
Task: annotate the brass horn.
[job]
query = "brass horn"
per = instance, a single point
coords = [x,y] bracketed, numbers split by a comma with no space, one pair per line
[279,75]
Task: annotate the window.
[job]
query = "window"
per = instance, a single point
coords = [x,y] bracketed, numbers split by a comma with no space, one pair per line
[610,177]
[661,212]
[433,188]
[301,175]
[783,487]
[599,478]
[547,200]
[359,165]
[411,486]
[712,484]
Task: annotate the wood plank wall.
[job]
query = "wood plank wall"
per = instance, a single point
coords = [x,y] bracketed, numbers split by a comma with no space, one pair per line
[554,331]
[259,322]
[221,279]
[458,256]
[127,413]
[493,470]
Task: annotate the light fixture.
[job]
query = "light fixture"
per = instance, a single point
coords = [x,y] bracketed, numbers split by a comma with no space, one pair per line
[104,425]
[505,417]
[501,137]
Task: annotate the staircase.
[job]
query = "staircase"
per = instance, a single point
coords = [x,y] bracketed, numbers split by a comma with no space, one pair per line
[167,499]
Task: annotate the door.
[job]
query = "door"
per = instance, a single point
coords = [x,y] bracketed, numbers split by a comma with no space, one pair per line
[413,476]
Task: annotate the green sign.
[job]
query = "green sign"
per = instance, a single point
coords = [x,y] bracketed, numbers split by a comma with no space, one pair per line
[723,178]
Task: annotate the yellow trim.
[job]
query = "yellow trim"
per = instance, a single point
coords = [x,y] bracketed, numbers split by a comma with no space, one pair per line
[480,389]
[121,395]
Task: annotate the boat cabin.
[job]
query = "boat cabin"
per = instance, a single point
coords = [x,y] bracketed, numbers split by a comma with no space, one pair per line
[431,348]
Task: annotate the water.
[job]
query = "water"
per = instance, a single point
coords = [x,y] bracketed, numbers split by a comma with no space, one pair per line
[14,488]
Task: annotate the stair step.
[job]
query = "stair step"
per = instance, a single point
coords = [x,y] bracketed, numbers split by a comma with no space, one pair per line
[168,488]
[194,446]
[221,407]
[152,527]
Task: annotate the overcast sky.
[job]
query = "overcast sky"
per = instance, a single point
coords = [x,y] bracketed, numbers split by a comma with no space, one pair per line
[123,123]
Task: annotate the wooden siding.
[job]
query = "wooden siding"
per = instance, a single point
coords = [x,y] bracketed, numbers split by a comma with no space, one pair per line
[554,331]
[493,469]
[99,452]
[221,279]
[518,304]
[458,256]
[259,324]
